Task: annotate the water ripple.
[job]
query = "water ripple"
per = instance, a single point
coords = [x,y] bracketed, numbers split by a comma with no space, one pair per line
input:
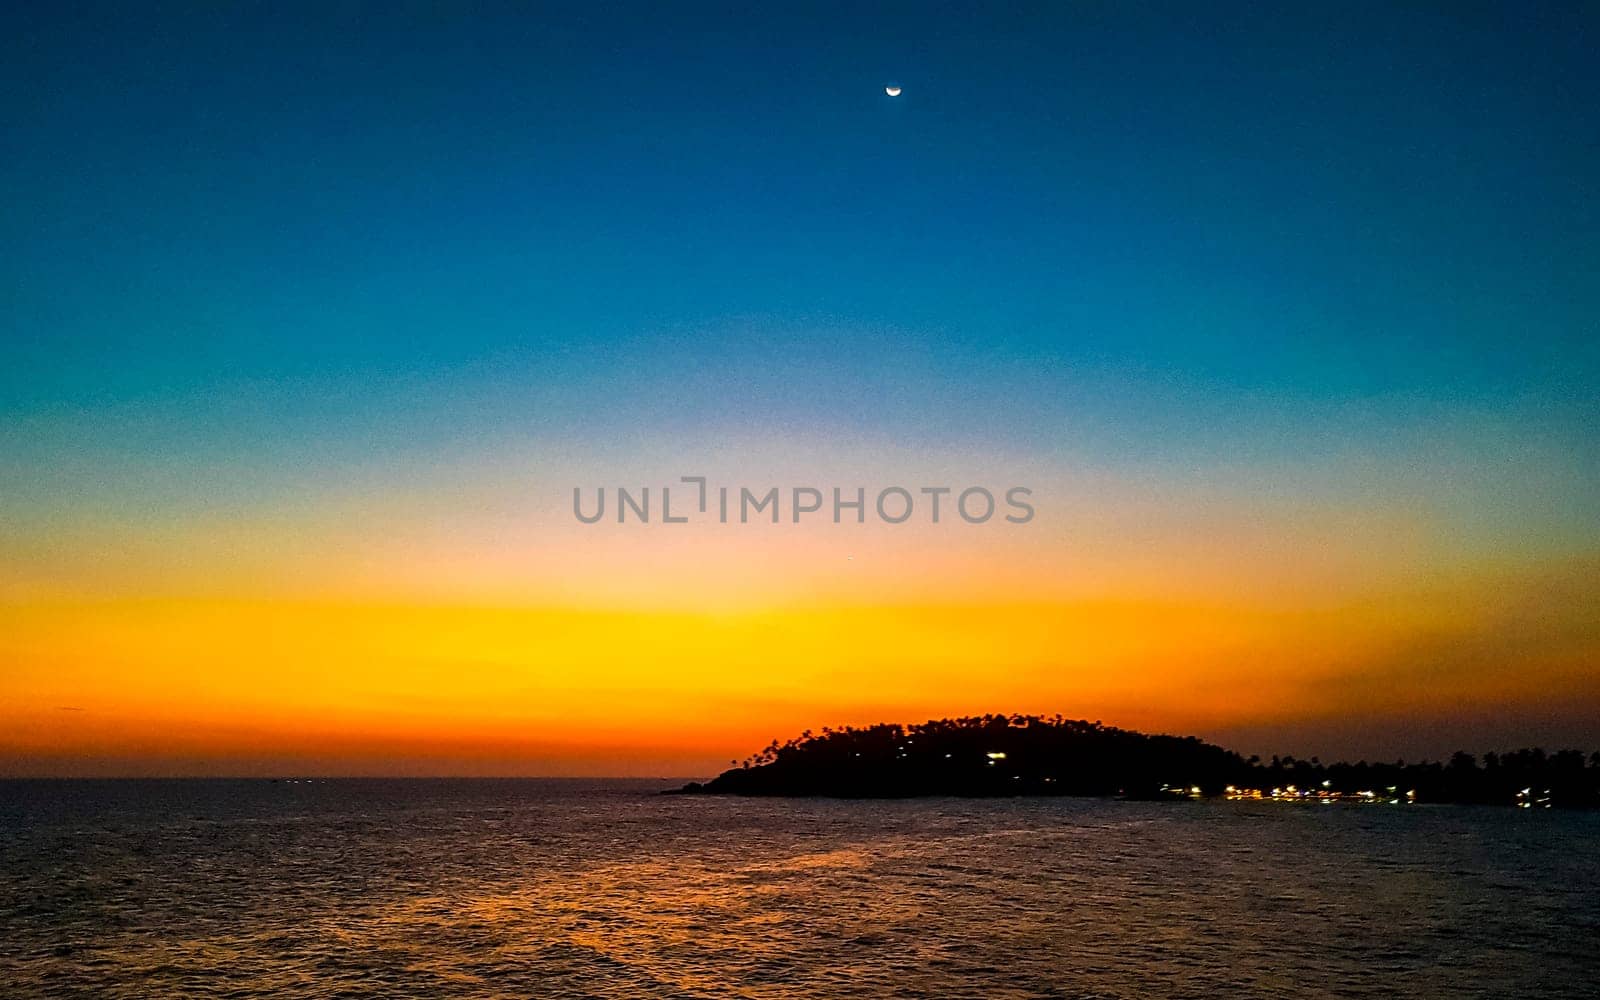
[562,889]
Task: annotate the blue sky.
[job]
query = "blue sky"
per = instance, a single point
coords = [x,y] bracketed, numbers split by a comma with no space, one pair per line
[1155,238]
[1291,202]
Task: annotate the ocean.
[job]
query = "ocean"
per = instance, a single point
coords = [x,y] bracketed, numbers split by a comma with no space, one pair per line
[557,889]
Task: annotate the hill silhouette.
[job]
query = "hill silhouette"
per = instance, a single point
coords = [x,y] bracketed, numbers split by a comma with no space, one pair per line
[1000,755]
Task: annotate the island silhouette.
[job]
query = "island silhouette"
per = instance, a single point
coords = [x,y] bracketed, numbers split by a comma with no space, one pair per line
[1007,755]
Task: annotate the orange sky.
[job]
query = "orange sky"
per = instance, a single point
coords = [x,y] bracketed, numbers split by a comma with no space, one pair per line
[511,640]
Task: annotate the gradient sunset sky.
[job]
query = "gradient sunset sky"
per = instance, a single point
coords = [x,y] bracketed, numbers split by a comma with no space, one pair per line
[313,319]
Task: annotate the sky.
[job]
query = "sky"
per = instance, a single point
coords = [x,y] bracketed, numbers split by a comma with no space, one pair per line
[313,320]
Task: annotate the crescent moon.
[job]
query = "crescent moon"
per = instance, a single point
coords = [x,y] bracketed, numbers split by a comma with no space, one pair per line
[892,90]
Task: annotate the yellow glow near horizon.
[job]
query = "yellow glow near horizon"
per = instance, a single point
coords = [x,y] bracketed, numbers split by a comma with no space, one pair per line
[412,637]
[542,690]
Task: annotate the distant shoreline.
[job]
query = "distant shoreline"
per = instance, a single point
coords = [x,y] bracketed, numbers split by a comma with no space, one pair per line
[1000,756]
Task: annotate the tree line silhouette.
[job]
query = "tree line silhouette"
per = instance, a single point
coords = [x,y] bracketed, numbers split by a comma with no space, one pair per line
[994,755]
